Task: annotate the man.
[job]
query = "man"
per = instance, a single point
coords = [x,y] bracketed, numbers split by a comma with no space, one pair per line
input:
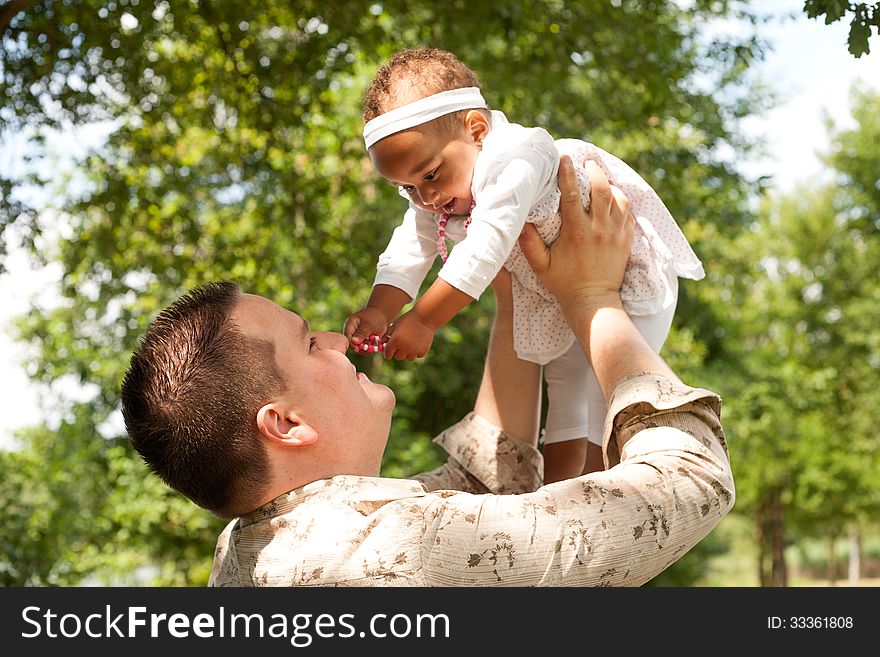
[235,403]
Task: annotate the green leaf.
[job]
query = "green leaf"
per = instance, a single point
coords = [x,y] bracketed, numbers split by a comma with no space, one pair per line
[858,38]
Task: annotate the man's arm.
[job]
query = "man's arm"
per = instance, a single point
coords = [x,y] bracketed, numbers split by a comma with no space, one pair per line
[493,449]
[510,391]
[671,482]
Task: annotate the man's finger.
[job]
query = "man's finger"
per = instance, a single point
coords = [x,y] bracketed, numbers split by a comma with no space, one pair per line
[621,200]
[622,217]
[536,252]
[569,189]
[600,190]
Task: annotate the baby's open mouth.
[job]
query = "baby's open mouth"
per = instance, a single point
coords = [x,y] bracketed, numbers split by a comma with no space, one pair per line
[449,208]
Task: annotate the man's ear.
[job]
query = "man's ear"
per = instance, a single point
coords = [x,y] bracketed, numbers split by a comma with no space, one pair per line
[477,126]
[280,424]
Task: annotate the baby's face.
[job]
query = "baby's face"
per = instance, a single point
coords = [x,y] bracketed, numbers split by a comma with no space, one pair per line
[434,169]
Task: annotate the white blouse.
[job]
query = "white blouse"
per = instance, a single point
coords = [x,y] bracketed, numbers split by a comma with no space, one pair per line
[514,182]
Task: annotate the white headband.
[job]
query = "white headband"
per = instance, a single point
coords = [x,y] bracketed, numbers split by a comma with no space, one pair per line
[421,111]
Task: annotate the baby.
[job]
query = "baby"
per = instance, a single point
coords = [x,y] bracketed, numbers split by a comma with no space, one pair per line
[473,178]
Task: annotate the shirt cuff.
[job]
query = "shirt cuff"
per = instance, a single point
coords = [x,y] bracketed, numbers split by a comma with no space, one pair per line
[466,285]
[639,395]
[501,462]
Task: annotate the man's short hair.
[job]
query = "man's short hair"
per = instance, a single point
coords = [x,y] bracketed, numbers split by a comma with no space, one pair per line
[190,399]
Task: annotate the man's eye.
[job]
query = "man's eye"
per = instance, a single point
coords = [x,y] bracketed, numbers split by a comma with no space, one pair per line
[312,342]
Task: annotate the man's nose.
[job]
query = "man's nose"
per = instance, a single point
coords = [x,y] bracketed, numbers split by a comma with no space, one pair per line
[332,340]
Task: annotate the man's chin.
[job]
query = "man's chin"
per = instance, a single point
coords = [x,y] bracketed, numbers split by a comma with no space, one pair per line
[389,400]
[381,395]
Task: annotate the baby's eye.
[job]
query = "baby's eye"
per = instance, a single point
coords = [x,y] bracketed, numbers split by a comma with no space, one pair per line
[407,188]
[430,176]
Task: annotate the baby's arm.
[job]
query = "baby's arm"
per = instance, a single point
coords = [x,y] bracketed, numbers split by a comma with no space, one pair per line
[385,302]
[412,334]
[505,190]
[389,300]
[399,274]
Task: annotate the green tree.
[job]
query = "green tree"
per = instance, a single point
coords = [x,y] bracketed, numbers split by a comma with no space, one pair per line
[237,153]
[863,17]
[803,390]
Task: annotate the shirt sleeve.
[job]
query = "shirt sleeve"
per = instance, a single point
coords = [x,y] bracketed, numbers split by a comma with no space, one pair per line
[484,459]
[506,186]
[671,485]
[409,254]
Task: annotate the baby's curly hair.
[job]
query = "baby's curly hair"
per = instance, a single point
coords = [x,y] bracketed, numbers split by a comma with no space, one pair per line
[415,73]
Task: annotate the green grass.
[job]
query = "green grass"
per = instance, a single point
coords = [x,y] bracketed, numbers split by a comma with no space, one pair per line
[737,566]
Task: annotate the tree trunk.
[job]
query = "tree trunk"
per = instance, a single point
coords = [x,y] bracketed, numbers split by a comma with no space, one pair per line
[779,574]
[761,530]
[772,570]
[832,560]
[855,556]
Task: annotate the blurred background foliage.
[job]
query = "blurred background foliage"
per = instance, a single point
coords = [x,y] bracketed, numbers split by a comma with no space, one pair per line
[235,151]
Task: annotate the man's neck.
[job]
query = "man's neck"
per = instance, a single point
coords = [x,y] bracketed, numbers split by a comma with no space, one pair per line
[287,480]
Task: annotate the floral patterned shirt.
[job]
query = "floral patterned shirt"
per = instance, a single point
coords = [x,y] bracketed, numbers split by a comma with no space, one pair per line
[483,518]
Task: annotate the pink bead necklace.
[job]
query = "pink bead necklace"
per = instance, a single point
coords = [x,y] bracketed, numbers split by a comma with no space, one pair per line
[373,344]
[441,231]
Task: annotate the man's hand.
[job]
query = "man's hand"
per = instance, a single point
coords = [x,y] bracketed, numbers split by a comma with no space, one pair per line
[584,266]
[409,337]
[364,323]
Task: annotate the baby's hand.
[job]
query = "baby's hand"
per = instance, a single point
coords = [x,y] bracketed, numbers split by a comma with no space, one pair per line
[409,338]
[362,324]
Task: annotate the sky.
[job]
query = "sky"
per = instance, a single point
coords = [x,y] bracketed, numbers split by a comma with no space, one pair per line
[810,67]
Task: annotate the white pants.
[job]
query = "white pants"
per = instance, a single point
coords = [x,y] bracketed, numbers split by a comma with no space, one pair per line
[571,382]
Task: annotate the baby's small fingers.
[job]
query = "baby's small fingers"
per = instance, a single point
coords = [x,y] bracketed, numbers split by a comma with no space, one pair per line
[349,328]
[390,346]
